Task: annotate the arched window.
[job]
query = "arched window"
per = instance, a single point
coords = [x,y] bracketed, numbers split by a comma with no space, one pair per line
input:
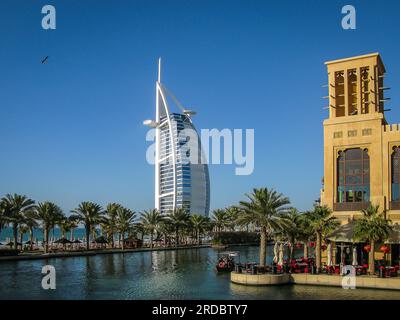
[353,176]
[396,174]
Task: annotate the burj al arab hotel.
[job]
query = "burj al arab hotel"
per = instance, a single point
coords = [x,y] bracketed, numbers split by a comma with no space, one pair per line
[178,183]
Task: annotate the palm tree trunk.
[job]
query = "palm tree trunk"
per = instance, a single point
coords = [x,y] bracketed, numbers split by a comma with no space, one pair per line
[112,238]
[371,258]
[15,233]
[176,236]
[71,237]
[21,237]
[263,245]
[305,250]
[198,237]
[31,238]
[122,245]
[291,250]
[318,252]
[151,240]
[87,238]
[46,240]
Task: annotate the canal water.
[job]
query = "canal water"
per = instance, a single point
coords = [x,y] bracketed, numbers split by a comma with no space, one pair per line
[180,274]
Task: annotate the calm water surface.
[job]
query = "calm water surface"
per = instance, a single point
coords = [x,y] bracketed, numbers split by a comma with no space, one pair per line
[181,274]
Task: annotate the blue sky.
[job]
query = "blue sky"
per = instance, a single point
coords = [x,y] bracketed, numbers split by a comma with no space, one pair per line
[71,130]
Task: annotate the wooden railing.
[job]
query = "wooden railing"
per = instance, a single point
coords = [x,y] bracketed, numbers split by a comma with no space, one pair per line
[394,205]
[350,206]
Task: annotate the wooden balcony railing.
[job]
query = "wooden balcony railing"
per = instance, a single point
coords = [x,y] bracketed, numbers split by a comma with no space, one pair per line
[350,206]
[394,205]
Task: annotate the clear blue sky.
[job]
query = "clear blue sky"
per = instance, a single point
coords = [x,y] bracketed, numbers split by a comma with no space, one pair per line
[71,130]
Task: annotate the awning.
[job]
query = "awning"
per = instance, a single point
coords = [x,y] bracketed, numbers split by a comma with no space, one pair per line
[344,233]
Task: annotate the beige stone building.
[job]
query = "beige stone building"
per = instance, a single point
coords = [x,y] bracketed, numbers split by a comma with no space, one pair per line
[361,150]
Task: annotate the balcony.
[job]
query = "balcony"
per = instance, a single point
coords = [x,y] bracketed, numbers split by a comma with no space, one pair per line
[394,205]
[350,206]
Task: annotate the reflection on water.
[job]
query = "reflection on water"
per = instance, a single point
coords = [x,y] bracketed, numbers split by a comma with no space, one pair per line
[181,274]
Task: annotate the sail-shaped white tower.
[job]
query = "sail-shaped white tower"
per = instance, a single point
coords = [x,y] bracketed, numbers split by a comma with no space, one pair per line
[178,183]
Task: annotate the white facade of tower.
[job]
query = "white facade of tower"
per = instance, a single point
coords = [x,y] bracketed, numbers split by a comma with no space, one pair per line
[178,184]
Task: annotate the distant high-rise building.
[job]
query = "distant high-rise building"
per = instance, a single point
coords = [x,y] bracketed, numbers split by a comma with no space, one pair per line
[178,183]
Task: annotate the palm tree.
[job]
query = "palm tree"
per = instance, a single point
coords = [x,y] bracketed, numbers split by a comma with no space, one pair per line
[306,232]
[110,221]
[322,223]
[31,223]
[265,209]
[22,229]
[178,218]
[3,220]
[239,222]
[151,221]
[220,219]
[165,229]
[72,226]
[48,214]
[124,221]
[65,224]
[232,213]
[292,230]
[138,228]
[372,227]
[199,224]
[14,207]
[90,214]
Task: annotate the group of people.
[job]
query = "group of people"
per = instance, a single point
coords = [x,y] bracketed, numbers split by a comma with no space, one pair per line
[226,263]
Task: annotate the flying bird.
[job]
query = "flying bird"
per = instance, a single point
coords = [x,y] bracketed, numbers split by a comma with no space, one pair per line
[45,60]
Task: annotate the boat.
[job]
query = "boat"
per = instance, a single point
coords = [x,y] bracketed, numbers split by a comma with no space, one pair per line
[226,261]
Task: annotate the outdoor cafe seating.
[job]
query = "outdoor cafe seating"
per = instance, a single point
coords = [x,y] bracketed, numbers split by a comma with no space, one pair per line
[301,265]
[384,270]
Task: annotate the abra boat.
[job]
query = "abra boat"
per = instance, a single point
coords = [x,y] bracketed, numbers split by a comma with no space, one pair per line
[226,261]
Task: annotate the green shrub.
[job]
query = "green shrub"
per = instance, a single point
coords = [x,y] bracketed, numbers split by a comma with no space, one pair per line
[235,237]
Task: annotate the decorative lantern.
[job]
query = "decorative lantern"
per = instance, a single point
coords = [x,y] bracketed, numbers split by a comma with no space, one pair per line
[311,244]
[298,245]
[384,249]
[323,247]
[367,248]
